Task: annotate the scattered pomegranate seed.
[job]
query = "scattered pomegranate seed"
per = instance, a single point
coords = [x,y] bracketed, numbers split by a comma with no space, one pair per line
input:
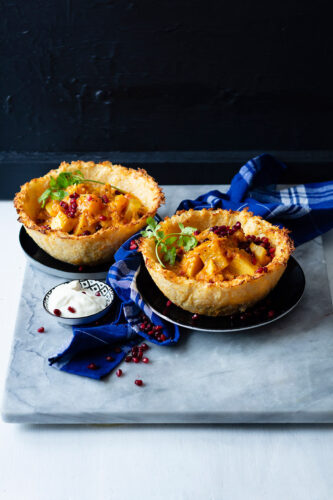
[150,332]
[169,303]
[57,312]
[71,309]
[145,360]
[142,326]
[253,260]
[89,197]
[271,313]
[138,382]
[41,329]
[144,346]
[86,233]
[80,268]
[271,251]
[260,270]
[133,247]
[195,317]
[109,358]
[98,294]
[134,243]
[162,337]
[128,359]
[134,350]
[92,366]
[136,360]
[119,373]
[105,198]
[74,195]
[84,293]
[196,232]
[102,217]
[117,349]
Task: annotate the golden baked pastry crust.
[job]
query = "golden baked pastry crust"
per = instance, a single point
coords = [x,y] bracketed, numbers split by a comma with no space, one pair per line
[222,297]
[99,246]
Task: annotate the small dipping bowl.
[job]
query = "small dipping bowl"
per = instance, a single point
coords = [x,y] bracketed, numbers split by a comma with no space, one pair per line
[93,285]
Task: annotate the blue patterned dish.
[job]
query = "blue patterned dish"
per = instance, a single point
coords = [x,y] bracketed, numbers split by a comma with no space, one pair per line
[95,286]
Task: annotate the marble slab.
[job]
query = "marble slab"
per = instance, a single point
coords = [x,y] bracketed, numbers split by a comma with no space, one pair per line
[281,373]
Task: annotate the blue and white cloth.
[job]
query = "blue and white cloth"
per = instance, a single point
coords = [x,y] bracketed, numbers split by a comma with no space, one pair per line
[306,210]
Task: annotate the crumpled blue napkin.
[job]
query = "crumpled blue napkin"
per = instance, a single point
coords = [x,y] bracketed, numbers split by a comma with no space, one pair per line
[306,210]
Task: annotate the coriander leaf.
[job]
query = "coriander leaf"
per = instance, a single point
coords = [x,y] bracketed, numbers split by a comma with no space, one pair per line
[58,195]
[188,230]
[42,199]
[181,226]
[171,240]
[190,243]
[170,256]
[151,222]
[53,183]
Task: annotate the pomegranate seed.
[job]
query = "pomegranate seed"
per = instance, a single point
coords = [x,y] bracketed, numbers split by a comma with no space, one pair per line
[150,332]
[162,337]
[242,317]
[57,312]
[195,317]
[138,382]
[142,326]
[260,270]
[253,260]
[84,293]
[134,243]
[168,304]
[102,217]
[64,205]
[145,360]
[128,359]
[98,227]
[119,373]
[271,251]
[105,198]
[196,233]
[71,309]
[86,233]
[89,197]
[109,358]
[265,240]
[74,195]
[140,354]
[134,349]
[238,225]
[136,360]
[144,346]
[265,269]
[271,313]
[92,366]
[80,268]
[98,294]
[133,247]
[159,328]
[117,349]
[41,329]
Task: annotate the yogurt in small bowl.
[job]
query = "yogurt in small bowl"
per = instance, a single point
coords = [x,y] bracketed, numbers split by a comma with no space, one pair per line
[79,302]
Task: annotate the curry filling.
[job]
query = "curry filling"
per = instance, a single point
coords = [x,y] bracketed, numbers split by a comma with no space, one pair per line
[88,208]
[223,253]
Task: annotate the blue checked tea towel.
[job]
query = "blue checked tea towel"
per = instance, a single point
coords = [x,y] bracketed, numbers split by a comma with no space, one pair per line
[306,210]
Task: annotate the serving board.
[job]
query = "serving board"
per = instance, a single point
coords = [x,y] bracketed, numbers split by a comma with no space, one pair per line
[279,373]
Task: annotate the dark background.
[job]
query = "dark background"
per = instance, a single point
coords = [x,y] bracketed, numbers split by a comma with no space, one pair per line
[157,79]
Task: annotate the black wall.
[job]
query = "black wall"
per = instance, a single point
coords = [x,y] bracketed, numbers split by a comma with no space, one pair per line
[97,75]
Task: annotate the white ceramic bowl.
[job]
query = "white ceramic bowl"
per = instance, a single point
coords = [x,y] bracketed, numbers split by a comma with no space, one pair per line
[95,286]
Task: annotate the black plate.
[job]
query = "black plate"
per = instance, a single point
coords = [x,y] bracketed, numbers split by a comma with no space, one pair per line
[278,303]
[55,267]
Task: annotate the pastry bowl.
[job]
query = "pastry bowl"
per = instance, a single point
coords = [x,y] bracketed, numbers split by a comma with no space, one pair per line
[219,298]
[98,247]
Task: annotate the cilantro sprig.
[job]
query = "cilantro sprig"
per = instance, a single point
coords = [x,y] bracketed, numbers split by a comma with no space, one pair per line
[57,186]
[168,244]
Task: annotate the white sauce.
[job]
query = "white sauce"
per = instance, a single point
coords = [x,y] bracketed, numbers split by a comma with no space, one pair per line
[84,301]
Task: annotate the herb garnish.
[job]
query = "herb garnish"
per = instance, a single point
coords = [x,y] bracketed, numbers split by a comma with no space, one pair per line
[169,243]
[57,187]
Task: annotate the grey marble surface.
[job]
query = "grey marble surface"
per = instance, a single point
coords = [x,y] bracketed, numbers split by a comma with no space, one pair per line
[279,373]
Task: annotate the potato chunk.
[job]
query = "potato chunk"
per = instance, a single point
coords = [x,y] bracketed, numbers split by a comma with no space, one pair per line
[210,272]
[192,264]
[62,223]
[241,264]
[260,254]
[213,249]
[132,209]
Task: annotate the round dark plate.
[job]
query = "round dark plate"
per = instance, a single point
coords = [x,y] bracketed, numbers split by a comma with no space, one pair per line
[278,303]
[44,262]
